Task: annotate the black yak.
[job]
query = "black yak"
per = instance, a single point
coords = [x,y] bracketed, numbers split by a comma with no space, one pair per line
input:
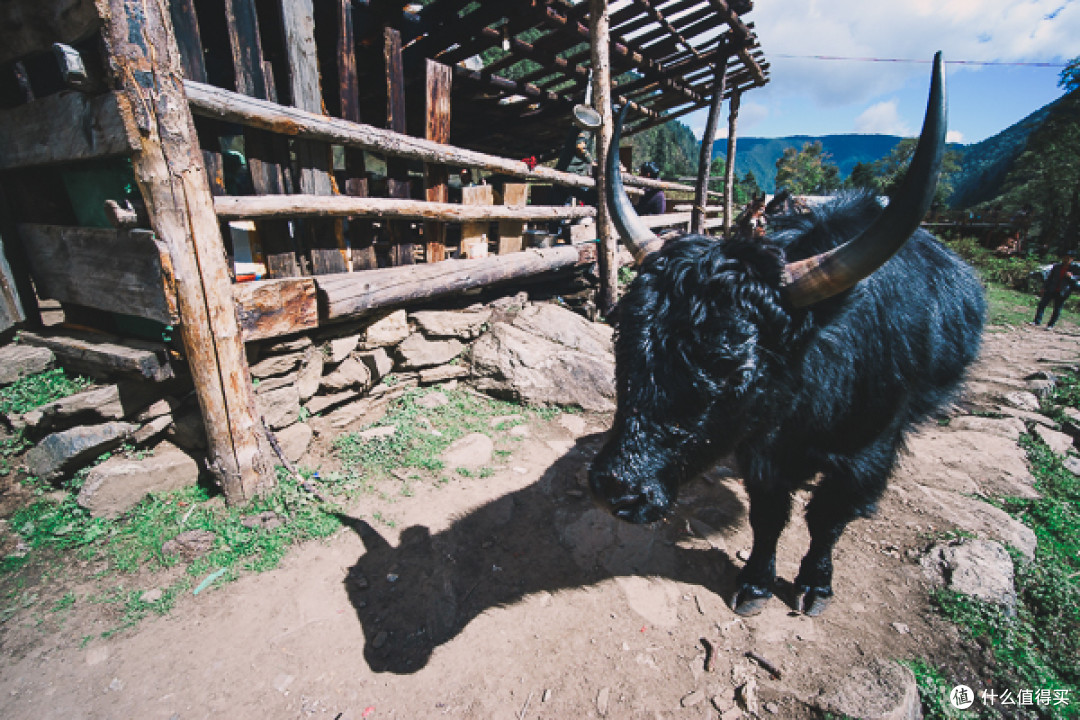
[812,351]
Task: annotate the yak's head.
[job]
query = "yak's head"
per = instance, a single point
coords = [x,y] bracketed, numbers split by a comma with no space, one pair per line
[706,332]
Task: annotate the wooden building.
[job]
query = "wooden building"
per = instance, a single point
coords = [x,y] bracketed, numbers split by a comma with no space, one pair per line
[192,175]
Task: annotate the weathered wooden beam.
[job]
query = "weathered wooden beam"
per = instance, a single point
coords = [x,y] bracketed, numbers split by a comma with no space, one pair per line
[146,68]
[31,26]
[127,272]
[290,206]
[271,308]
[104,356]
[64,127]
[210,101]
[356,294]
[742,33]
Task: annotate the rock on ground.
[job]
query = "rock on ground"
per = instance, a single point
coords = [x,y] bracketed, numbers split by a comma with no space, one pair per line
[975,516]
[472,451]
[279,408]
[349,375]
[884,690]
[118,484]
[294,440]
[387,332]
[62,453]
[509,362]
[19,361]
[1058,442]
[565,327]
[978,568]
[463,325]
[946,458]
[417,352]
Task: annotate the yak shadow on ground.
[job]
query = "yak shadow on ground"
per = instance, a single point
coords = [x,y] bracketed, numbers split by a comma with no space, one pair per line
[543,538]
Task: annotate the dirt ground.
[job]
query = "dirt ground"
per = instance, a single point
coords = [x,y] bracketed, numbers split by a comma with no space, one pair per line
[513,597]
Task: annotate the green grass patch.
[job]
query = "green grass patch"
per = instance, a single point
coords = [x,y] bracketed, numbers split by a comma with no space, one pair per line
[1038,648]
[132,545]
[34,391]
[421,435]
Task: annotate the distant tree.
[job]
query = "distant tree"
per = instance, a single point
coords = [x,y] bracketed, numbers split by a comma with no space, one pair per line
[746,189]
[807,171]
[1070,75]
[882,176]
[1044,181]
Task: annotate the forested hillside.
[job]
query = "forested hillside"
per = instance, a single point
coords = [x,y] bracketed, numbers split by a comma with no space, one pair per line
[759,155]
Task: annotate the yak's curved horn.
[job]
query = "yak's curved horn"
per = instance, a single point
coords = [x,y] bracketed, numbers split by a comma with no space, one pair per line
[820,277]
[636,235]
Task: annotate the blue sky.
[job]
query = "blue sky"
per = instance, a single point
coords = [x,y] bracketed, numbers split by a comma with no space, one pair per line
[819,97]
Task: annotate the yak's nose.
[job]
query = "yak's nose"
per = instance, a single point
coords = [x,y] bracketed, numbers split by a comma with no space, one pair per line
[623,500]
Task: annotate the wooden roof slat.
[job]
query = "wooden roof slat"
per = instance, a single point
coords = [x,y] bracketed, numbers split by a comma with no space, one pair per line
[659,17]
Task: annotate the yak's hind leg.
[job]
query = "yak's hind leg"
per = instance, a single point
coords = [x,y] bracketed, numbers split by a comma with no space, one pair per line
[769,512]
[843,495]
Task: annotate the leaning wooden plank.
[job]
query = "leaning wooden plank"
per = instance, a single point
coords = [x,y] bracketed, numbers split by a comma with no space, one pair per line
[270,308]
[102,268]
[289,206]
[104,356]
[11,310]
[214,102]
[145,66]
[63,127]
[32,26]
[355,294]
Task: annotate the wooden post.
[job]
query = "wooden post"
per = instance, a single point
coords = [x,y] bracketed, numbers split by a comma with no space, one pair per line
[701,197]
[312,158]
[510,231]
[600,32]
[437,129]
[361,233]
[474,239]
[398,186]
[729,168]
[168,168]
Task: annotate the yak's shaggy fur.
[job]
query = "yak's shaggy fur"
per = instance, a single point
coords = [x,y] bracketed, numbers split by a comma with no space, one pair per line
[711,360]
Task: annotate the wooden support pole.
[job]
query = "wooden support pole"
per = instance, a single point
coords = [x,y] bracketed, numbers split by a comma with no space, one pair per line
[701,196]
[436,177]
[600,34]
[398,185]
[729,167]
[168,168]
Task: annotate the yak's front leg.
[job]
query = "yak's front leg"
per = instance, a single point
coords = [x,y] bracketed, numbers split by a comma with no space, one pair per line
[833,506]
[769,511]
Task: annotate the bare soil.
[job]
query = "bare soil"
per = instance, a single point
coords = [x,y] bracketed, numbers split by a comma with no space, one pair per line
[511,596]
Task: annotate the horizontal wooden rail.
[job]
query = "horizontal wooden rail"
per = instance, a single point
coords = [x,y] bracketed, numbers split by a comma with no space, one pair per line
[290,206]
[210,101]
[355,294]
[214,102]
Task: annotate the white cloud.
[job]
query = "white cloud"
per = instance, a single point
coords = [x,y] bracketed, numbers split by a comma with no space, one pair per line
[954,136]
[882,118]
[999,30]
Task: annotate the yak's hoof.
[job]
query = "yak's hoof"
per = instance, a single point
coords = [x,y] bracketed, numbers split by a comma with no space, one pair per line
[750,599]
[814,600]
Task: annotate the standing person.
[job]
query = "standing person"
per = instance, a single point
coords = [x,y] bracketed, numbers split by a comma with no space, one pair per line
[653,202]
[1058,285]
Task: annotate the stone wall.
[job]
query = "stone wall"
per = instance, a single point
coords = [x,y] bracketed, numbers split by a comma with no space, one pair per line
[537,353]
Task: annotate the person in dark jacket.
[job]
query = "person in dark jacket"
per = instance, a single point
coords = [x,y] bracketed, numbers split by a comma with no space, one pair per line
[653,202]
[1057,287]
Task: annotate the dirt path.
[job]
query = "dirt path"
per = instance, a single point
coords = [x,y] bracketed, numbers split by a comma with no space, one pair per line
[512,597]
